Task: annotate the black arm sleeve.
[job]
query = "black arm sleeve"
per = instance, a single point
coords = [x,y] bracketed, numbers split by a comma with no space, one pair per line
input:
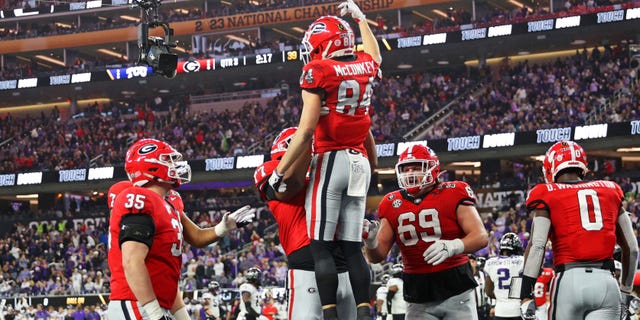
[250,310]
[390,295]
[137,227]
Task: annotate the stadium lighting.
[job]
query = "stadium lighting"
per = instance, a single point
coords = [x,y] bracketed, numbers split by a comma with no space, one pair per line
[421,15]
[113,53]
[27,196]
[440,13]
[50,60]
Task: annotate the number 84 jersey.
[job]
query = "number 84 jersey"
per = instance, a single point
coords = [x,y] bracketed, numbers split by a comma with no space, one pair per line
[345,86]
[418,222]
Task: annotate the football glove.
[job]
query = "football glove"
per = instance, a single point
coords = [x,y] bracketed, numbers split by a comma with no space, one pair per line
[441,250]
[370,233]
[231,221]
[528,310]
[153,311]
[625,305]
[350,7]
[275,181]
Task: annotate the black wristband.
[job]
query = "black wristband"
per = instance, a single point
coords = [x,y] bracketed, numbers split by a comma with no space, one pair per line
[526,291]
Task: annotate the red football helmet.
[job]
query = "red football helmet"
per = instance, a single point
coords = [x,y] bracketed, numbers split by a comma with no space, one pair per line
[563,155]
[281,143]
[327,37]
[415,180]
[155,160]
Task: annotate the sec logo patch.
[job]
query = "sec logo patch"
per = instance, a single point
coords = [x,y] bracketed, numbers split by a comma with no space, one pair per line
[396,203]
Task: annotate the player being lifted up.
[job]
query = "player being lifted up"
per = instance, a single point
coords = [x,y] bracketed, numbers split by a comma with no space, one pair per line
[336,85]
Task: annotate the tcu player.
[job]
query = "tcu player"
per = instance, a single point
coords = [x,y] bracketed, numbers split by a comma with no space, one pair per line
[395,298]
[382,312]
[146,230]
[500,269]
[583,220]
[249,291]
[435,224]
[288,209]
[541,293]
[212,305]
[336,85]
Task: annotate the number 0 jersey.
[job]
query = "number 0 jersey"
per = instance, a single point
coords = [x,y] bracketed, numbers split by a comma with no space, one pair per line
[500,269]
[346,88]
[417,223]
[163,260]
[583,218]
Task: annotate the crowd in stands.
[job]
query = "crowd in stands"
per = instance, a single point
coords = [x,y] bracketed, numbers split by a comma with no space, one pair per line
[455,18]
[589,87]
[51,254]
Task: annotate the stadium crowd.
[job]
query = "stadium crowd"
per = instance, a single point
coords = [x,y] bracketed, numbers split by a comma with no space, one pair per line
[589,87]
[486,15]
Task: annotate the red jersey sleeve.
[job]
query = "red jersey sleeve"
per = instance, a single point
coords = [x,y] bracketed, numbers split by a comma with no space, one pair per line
[133,200]
[463,193]
[536,198]
[115,190]
[261,176]
[175,200]
[313,76]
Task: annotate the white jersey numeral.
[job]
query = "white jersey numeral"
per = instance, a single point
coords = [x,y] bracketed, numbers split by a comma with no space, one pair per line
[589,222]
[427,219]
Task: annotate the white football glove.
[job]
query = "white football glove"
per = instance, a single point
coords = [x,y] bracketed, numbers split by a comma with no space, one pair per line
[230,221]
[350,7]
[441,250]
[370,233]
[528,310]
[275,181]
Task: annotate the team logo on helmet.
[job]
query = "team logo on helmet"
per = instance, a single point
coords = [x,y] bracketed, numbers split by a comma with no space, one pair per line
[146,149]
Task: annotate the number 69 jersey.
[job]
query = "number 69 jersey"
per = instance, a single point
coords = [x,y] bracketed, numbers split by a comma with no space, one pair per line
[346,87]
[583,213]
[163,260]
[417,223]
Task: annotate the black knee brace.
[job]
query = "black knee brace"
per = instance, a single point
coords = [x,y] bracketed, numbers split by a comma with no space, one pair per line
[326,273]
[359,273]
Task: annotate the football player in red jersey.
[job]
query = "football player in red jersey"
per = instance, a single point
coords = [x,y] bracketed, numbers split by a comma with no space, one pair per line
[145,263]
[583,220]
[336,87]
[435,225]
[288,210]
[541,293]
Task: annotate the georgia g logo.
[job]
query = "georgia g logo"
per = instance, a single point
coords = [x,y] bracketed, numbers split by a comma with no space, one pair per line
[191,66]
[147,148]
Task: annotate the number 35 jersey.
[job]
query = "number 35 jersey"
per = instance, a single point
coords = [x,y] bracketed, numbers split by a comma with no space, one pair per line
[345,86]
[583,218]
[417,223]
[163,260]
[500,269]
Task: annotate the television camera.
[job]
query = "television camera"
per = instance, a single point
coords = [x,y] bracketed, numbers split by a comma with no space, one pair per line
[155,51]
